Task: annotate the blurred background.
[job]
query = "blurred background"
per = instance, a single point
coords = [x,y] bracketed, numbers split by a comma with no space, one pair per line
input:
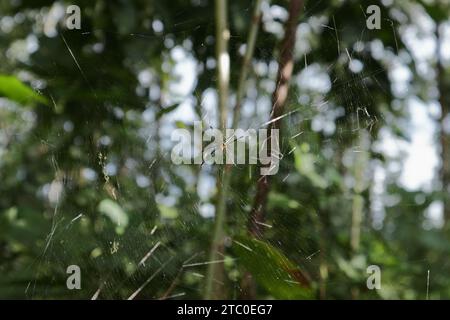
[86,176]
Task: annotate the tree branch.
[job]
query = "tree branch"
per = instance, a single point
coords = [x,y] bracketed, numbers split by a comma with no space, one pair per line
[285,68]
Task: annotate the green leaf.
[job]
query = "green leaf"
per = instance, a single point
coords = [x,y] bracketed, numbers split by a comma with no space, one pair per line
[354,269]
[279,200]
[180,125]
[166,110]
[305,165]
[114,212]
[272,269]
[13,89]
[167,212]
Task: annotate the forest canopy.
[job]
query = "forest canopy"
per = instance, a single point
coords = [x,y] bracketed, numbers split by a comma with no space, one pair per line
[331,120]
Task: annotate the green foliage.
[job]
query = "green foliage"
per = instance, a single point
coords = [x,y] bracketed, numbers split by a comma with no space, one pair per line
[272,269]
[88,178]
[13,89]
[115,213]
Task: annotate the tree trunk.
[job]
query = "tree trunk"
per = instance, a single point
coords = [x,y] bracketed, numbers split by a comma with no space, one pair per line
[444,130]
[285,68]
[214,276]
[445,154]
